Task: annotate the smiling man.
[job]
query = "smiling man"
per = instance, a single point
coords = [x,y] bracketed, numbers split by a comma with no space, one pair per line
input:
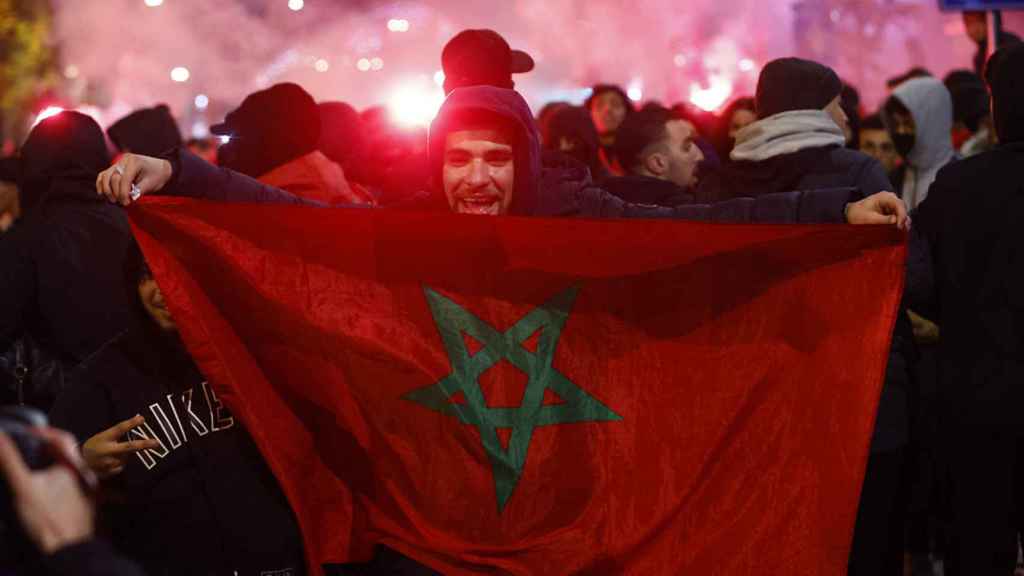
[478,171]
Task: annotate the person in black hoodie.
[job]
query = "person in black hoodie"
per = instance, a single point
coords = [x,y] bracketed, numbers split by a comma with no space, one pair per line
[966,264]
[798,141]
[69,247]
[660,156]
[197,497]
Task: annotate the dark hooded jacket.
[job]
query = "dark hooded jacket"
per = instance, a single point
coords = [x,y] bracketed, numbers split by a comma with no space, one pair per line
[61,266]
[205,502]
[555,192]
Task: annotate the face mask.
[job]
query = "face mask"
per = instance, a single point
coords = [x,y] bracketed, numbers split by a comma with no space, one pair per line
[903,143]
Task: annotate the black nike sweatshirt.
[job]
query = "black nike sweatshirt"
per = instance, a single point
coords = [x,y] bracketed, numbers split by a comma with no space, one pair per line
[205,502]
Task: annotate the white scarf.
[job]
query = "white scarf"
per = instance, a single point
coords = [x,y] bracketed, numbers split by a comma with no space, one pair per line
[785,133]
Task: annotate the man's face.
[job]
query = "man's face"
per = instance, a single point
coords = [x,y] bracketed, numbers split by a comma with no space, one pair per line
[153,302]
[741,118]
[878,145]
[479,171]
[608,110]
[681,153]
[902,131]
[835,110]
[976,25]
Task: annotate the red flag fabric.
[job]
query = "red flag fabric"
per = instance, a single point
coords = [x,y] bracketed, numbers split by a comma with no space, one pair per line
[543,396]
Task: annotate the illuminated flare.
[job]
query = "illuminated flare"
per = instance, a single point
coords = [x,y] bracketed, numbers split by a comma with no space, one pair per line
[711,98]
[180,74]
[413,106]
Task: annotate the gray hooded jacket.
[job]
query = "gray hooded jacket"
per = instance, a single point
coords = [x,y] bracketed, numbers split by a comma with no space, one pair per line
[931,106]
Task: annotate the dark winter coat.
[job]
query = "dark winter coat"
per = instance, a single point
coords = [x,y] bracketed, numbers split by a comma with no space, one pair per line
[967,264]
[205,502]
[61,267]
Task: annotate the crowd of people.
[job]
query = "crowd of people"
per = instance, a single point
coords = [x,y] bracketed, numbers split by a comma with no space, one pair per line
[87,338]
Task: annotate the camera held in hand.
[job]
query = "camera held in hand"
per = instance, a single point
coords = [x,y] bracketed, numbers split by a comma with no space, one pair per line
[17,422]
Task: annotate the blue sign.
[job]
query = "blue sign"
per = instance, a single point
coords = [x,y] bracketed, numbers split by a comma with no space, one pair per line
[981,4]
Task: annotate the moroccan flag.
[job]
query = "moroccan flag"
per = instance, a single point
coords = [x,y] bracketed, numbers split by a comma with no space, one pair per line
[543,396]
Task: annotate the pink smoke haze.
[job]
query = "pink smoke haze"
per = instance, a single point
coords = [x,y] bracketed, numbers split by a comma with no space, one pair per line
[119,54]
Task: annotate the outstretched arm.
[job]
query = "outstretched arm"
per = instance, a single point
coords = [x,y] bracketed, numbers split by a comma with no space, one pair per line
[184,174]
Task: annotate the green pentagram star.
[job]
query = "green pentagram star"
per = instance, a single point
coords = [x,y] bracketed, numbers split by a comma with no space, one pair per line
[578,406]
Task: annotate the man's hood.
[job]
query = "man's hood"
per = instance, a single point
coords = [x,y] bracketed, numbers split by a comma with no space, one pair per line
[508,105]
[931,106]
[60,161]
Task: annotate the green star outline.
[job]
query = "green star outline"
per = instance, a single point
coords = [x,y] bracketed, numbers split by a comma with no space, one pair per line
[452,321]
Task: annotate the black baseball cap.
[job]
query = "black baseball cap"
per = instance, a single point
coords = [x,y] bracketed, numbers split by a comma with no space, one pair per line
[481,58]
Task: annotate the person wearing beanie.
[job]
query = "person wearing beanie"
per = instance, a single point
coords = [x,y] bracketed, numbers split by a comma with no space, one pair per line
[150,131]
[919,116]
[275,138]
[798,141]
[966,265]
